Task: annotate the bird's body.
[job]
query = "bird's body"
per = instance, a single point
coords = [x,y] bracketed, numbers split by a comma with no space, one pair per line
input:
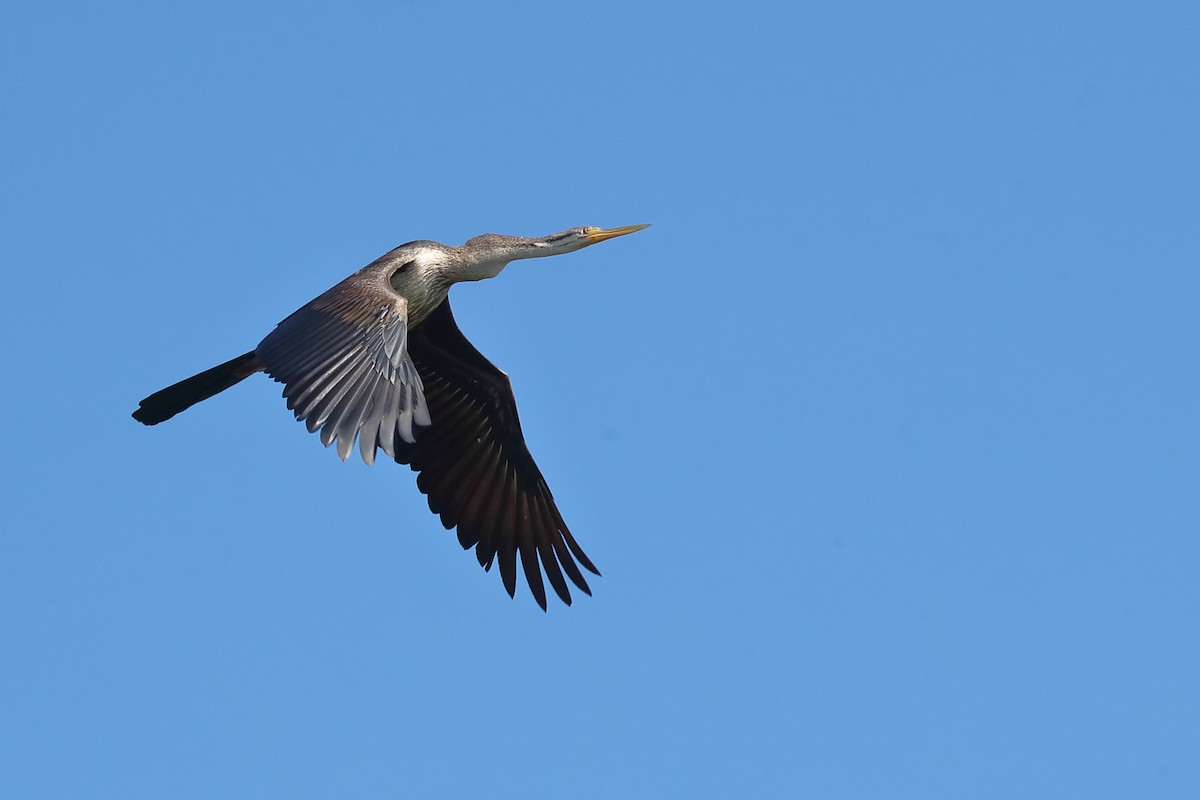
[379,359]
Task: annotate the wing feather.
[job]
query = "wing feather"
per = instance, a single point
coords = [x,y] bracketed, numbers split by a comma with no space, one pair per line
[546,553]
[528,550]
[474,466]
[343,360]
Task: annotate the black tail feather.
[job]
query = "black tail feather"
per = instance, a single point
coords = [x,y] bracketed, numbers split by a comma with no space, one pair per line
[163,405]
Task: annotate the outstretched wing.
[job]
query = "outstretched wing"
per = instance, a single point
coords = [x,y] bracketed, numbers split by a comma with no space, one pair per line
[476,470]
[343,360]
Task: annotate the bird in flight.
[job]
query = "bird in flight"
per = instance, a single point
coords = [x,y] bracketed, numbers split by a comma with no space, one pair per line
[379,358]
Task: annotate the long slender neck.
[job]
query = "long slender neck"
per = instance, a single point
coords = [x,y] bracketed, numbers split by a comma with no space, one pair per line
[477,268]
[486,256]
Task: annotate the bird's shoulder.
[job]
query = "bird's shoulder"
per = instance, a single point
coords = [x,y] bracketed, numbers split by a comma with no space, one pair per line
[366,293]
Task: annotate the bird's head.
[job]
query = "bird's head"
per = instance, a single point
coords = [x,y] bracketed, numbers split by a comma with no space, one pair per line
[484,256]
[577,238]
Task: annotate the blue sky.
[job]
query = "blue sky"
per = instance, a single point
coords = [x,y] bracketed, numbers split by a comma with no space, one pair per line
[884,436]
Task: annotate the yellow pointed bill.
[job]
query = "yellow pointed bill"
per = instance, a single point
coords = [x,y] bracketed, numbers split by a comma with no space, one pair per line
[600,234]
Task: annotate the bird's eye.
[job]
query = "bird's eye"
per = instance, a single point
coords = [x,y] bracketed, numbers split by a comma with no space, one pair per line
[586,229]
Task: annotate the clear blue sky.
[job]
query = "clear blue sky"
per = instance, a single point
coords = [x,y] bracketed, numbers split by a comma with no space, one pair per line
[884,436]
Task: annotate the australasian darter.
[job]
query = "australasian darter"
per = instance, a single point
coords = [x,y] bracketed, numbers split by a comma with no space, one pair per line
[379,358]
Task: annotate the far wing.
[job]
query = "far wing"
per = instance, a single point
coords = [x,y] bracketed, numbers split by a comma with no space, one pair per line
[344,363]
[476,470]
